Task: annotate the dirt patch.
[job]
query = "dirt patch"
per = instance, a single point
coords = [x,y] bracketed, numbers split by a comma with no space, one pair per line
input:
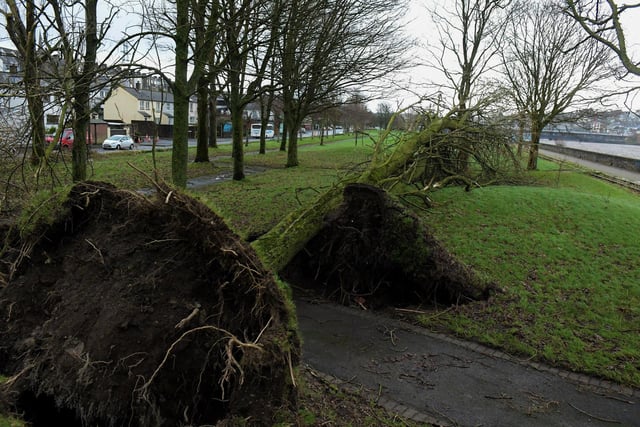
[373,252]
[131,310]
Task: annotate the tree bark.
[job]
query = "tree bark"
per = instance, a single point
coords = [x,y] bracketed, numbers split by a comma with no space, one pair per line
[286,239]
[292,148]
[237,125]
[283,142]
[180,153]
[213,120]
[202,149]
[532,164]
[82,95]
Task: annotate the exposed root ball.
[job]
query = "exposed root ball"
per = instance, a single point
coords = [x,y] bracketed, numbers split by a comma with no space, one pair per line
[373,251]
[132,311]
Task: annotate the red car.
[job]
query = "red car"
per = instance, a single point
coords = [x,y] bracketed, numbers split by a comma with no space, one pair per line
[66,140]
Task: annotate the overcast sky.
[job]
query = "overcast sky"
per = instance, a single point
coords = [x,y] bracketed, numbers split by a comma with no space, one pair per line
[419,26]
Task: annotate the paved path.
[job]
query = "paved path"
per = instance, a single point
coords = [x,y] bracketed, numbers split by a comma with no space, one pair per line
[443,381]
[626,151]
[436,379]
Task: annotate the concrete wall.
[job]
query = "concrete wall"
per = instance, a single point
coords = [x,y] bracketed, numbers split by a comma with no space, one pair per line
[605,159]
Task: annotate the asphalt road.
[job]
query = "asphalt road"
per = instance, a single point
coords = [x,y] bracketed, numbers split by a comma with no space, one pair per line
[443,381]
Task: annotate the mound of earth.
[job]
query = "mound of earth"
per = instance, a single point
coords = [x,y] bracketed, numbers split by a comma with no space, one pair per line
[372,251]
[142,311]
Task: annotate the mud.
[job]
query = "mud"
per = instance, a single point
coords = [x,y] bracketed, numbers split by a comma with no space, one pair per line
[130,310]
[373,252]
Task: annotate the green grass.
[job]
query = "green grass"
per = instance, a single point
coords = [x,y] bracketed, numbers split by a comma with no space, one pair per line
[563,248]
[8,421]
[567,259]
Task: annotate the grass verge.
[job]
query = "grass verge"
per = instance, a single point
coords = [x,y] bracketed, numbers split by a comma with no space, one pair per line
[565,253]
[564,249]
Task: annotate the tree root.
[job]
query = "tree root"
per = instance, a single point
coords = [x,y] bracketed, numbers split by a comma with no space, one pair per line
[231,367]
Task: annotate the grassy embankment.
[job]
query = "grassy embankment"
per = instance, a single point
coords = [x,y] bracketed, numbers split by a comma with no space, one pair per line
[564,249]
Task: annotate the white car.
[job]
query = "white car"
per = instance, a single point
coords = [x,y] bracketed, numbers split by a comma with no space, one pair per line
[118,142]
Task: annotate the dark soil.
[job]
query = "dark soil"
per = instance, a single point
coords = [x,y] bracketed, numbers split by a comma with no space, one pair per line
[148,312]
[373,252]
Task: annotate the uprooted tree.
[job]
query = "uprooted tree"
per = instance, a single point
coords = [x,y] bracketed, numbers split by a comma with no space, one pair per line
[123,309]
[407,168]
[120,309]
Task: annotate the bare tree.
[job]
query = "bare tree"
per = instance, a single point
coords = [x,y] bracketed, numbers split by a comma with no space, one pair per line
[384,112]
[59,42]
[466,54]
[205,23]
[247,46]
[602,21]
[470,36]
[23,35]
[189,15]
[355,112]
[548,65]
[330,48]
[189,26]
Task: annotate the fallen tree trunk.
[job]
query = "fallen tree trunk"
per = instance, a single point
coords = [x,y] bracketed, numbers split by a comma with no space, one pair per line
[356,241]
[278,247]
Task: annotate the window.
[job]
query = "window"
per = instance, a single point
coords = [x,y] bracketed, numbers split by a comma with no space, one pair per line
[141,107]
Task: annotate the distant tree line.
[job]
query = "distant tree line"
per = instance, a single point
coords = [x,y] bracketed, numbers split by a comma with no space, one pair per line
[310,55]
[525,61]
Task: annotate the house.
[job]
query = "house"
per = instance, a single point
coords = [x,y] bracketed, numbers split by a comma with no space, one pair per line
[133,104]
[146,105]
[13,105]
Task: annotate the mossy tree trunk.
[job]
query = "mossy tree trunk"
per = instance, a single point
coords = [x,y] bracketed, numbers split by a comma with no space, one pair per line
[82,94]
[287,238]
[202,150]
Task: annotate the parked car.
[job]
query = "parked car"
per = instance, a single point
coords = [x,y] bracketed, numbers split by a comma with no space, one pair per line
[49,138]
[67,138]
[118,142]
[256,128]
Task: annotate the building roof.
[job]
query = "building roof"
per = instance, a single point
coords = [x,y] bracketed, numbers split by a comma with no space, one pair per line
[150,95]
